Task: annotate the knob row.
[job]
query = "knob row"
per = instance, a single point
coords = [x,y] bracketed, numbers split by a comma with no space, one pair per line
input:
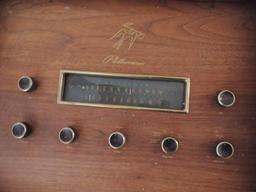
[116,140]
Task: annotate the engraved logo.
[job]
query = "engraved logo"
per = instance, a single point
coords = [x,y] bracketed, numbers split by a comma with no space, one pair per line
[127,34]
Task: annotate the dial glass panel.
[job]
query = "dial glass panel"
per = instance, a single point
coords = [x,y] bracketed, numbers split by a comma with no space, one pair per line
[124,91]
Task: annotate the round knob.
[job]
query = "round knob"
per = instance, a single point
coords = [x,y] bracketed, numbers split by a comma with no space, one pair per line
[225,150]
[26,84]
[226,98]
[169,145]
[116,140]
[66,135]
[20,130]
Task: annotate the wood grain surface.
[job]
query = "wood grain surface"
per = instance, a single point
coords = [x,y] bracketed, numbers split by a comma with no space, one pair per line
[213,43]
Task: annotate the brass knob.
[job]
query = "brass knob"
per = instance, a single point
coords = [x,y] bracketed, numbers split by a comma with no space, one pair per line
[225,150]
[226,98]
[66,135]
[20,130]
[26,84]
[116,140]
[169,145]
